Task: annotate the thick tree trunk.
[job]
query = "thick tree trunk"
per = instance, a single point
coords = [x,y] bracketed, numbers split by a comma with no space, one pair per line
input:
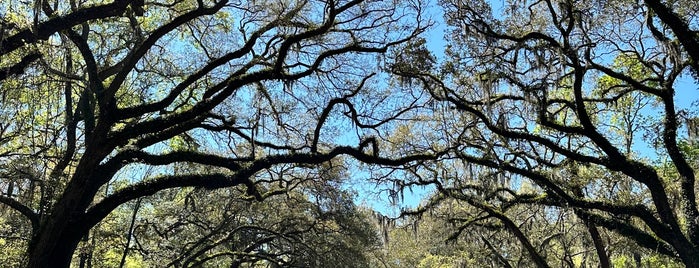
[59,257]
[57,254]
[690,257]
[56,241]
[61,229]
[58,236]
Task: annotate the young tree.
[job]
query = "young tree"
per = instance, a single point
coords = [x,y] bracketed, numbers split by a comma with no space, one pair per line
[578,100]
[91,89]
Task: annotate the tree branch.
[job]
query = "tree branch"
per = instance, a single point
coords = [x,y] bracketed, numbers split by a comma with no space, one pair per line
[45,29]
[32,216]
[19,67]
[242,176]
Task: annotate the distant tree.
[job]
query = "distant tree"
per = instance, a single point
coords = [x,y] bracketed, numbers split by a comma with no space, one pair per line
[92,91]
[314,225]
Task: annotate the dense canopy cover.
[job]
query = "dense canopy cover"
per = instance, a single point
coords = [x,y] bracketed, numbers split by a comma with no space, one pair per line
[228,133]
[107,102]
[567,113]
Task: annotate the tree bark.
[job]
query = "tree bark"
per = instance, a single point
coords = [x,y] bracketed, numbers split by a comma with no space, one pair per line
[61,230]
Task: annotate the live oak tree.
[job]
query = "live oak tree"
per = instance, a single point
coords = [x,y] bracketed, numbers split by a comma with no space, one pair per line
[552,131]
[95,89]
[579,101]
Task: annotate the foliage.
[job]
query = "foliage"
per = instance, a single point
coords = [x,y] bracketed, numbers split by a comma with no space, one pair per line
[197,227]
[105,103]
[226,133]
[566,131]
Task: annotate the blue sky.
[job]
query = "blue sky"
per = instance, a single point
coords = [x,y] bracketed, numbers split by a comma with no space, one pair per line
[376,197]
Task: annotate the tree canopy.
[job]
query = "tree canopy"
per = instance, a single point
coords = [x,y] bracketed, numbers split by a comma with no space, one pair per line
[228,133]
[570,107]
